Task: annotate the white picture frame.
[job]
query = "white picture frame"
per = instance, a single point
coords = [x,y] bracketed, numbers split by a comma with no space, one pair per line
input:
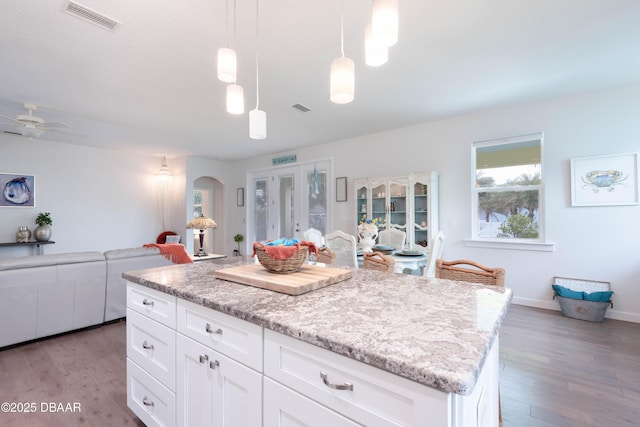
[610,180]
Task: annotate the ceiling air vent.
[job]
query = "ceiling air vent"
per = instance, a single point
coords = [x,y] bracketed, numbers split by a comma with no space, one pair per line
[89,15]
[301,108]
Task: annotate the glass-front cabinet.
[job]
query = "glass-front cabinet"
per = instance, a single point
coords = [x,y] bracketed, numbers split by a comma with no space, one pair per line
[408,203]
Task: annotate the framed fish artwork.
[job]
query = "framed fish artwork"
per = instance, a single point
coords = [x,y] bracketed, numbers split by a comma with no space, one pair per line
[17,190]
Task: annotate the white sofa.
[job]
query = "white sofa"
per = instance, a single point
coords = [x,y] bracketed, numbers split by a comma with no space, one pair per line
[119,261]
[48,294]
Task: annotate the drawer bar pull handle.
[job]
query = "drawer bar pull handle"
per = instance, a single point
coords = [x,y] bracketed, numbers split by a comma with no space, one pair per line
[211,331]
[147,346]
[204,358]
[146,402]
[345,386]
[147,302]
[214,364]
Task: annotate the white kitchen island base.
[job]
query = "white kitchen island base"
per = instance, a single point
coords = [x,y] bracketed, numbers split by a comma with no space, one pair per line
[288,382]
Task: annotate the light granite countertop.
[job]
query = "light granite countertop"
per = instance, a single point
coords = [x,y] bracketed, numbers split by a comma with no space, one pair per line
[433,331]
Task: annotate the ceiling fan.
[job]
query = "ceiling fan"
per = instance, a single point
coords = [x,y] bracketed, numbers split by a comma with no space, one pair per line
[30,125]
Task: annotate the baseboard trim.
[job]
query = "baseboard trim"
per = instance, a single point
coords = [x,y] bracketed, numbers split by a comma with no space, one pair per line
[553,305]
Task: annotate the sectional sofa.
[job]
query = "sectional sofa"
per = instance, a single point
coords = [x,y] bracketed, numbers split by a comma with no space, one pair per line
[49,294]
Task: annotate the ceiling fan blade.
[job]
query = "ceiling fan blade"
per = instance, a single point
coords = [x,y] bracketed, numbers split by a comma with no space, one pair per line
[13,120]
[55,125]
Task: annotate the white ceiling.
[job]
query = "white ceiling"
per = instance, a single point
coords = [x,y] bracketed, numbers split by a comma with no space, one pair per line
[151,86]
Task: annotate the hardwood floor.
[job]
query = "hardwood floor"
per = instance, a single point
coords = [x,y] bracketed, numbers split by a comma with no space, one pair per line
[558,371]
[555,371]
[86,368]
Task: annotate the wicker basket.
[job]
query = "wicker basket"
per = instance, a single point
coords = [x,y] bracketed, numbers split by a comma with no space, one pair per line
[377,261]
[282,266]
[593,311]
[326,255]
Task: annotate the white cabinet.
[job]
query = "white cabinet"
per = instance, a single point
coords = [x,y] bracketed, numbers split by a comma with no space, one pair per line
[219,372]
[346,390]
[151,350]
[284,407]
[188,365]
[213,390]
[408,203]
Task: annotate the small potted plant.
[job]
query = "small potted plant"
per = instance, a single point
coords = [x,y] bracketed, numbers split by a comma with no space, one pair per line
[238,238]
[42,233]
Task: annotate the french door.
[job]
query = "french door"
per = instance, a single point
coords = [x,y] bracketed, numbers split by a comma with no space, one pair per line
[287,201]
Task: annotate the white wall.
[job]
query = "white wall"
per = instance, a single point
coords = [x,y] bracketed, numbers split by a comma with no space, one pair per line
[599,243]
[98,199]
[101,199]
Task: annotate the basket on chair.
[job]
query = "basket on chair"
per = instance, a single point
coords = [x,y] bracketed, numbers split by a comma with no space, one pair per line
[326,255]
[283,266]
[377,261]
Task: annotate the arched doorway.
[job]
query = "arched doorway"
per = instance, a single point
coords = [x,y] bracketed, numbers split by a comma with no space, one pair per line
[207,199]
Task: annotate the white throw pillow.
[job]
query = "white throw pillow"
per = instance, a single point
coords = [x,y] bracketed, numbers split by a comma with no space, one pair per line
[172,239]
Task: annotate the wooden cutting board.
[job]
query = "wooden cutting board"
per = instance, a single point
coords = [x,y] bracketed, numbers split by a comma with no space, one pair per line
[308,278]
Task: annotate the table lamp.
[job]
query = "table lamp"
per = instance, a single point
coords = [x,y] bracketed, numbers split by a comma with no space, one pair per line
[201,223]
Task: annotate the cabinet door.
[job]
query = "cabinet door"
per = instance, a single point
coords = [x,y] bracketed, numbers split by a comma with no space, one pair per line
[194,384]
[285,408]
[398,203]
[363,203]
[213,390]
[237,393]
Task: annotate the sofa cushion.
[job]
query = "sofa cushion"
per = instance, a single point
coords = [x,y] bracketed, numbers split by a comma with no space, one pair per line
[130,253]
[53,259]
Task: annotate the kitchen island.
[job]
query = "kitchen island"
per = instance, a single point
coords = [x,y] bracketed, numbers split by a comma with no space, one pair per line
[376,349]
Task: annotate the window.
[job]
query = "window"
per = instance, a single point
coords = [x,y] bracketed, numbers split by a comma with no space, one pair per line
[508,189]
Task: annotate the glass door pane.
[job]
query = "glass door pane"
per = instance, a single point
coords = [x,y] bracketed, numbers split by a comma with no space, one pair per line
[379,205]
[287,220]
[261,209]
[398,206]
[317,200]
[421,214]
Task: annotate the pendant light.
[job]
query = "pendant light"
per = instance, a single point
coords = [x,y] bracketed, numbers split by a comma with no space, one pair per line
[342,77]
[384,21]
[257,117]
[376,53]
[227,60]
[235,99]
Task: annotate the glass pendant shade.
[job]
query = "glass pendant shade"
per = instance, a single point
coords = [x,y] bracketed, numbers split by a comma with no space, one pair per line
[227,65]
[235,99]
[257,124]
[384,21]
[375,52]
[342,80]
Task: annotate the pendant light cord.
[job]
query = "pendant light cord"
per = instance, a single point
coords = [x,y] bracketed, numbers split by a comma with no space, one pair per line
[342,29]
[257,62]
[226,23]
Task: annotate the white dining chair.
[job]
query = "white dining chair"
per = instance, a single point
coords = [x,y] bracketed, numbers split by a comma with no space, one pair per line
[344,246]
[392,237]
[314,236]
[435,252]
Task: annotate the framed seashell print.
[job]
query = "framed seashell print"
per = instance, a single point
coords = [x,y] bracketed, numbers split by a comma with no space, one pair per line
[605,180]
[18,190]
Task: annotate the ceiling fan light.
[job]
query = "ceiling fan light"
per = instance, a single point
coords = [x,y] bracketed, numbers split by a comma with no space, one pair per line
[384,21]
[30,131]
[227,65]
[342,80]
[375,52]
[257,124]
[235,99]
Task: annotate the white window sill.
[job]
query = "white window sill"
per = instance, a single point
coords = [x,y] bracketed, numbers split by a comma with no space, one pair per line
[507,244]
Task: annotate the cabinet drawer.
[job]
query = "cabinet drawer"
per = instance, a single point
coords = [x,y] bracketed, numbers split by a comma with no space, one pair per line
[371,396]
[158,306]
[238,339]
[152,402]
[285,407]
[153,347]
